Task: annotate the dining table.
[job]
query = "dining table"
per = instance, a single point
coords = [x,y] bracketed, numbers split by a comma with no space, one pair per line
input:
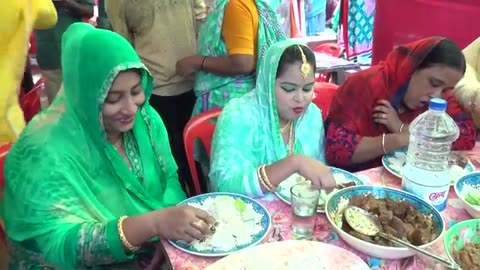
[324,232]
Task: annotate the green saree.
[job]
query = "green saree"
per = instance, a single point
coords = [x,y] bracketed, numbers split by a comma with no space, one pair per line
[247,134]
[66,185]
[214,91]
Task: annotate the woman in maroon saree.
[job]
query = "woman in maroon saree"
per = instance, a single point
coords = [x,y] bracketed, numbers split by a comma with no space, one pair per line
[385,98]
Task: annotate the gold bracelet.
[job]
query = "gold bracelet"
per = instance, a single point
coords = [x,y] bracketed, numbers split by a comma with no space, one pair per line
[261,176]
[262,181]
[401,127]
[124,239]
[265,184]
[265,178]
[383,144]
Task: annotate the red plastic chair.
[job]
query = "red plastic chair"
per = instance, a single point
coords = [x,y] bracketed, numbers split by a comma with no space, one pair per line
[329,48]
[33,45]
[30,102]
[401,21]
[199,127]
[4,147]
[323,95]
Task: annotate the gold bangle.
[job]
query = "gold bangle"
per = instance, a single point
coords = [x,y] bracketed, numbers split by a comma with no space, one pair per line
[124,239]
[265,184]
[262,182]
[265,178]
[401,127]
[262,177]
[383,144]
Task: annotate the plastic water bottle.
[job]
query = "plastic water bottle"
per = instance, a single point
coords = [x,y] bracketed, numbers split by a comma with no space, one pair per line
[426,171]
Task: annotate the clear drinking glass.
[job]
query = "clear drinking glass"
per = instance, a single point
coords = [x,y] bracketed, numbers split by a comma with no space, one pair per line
[304,199]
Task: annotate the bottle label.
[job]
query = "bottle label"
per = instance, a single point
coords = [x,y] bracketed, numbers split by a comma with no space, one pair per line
[436,196]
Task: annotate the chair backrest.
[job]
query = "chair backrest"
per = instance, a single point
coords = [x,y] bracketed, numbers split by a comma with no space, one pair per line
[323,95]
[329,48]
[200,127]
[4,147]
[33,45]
[401,21]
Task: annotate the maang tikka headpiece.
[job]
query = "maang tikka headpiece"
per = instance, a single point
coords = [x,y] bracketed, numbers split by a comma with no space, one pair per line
[306,68]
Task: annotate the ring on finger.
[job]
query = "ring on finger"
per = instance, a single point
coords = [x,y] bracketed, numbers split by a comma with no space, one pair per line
[198,224]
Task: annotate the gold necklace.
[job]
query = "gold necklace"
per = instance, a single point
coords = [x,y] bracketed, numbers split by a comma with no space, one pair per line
[284,128]
[291,140]
[121,151]
[119,146]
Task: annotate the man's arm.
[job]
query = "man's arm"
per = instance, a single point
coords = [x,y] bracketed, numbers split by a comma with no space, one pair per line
[82,9]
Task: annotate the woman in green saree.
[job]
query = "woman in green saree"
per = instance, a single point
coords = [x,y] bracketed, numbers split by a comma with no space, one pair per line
[92,179]
[274,131]
[232,42]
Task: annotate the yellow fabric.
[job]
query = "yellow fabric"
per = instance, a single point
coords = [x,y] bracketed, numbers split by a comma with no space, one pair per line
[472,54]
[240,27]
[465,89]
[17,18]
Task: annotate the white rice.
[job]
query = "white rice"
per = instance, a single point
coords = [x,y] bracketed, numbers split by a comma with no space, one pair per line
[398,162]
[297,179]
[233,229]
[339,179]
[456,172]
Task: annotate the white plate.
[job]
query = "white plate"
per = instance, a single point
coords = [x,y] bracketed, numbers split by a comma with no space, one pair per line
[341,177]
[394,162]
[291,255]
[265,223]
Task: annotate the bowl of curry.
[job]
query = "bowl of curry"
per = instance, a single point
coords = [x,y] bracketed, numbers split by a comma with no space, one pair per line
[400,214]
[462,243]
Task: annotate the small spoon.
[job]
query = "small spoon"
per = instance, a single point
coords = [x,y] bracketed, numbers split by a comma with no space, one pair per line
[367,224]
[276,234]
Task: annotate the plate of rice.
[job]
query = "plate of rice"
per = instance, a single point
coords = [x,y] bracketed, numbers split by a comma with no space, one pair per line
[240,222]
[394,162]
[342,178]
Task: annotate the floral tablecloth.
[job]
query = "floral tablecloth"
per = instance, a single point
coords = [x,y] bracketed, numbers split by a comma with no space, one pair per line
[324,232]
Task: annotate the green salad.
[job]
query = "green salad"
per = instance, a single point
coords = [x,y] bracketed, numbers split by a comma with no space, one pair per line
[240,205]
[473,197]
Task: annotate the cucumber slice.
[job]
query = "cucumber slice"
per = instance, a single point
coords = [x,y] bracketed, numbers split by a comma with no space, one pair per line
[240,205]
[473,197]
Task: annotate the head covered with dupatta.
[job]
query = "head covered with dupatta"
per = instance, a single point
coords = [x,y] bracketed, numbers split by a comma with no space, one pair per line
[248,132]
[64,174]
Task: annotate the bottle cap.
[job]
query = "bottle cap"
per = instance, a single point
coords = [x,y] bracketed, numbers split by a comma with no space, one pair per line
[438,104]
